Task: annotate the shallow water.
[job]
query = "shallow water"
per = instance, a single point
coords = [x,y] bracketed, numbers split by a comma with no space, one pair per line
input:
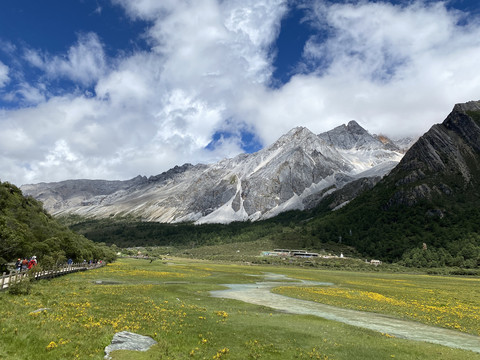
[260,294]
[107,282]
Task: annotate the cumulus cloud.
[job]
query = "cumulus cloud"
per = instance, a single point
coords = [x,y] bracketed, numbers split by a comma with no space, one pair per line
[154,109]
[397,69]
[391,61]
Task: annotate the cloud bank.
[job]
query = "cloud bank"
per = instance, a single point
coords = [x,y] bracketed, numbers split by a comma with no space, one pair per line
[396,69]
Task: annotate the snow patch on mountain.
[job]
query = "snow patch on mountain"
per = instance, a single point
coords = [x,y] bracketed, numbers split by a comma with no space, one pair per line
[363,160]
[264,162]
[381,169]
[294,203]
[226,213]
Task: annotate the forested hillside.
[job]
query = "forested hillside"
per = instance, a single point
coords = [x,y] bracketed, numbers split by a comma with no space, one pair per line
[27,230]
[450,233]
[283,230]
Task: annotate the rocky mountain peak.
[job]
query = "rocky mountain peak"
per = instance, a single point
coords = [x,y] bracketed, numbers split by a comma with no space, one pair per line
[384,139]
[298,133]
[354,128]
[299,138]
[445,160]
[350,136]
[432,196]
[468,106]
[464,120]
[170,173]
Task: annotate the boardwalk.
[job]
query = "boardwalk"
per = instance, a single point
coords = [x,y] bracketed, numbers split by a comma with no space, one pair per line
[14,277]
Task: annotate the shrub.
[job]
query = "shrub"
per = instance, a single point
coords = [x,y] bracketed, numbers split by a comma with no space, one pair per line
[20,288]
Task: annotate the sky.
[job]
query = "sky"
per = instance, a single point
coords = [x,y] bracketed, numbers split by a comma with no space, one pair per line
[112,89]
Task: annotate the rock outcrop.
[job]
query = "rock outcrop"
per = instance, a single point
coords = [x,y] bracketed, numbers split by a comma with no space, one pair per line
[444,161]
[129,341]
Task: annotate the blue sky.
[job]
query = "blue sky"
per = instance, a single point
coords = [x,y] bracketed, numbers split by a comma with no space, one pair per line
[115,88]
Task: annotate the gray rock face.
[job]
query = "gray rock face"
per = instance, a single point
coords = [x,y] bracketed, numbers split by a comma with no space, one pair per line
[170,174]
[293,173]
[344,195]
[129,341]
[65,194]
[442,160]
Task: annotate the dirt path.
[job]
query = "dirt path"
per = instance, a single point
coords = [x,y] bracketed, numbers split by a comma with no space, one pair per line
[259,294]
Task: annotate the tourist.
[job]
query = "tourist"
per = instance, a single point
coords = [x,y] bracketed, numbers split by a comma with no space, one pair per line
[18,265]
[32,262]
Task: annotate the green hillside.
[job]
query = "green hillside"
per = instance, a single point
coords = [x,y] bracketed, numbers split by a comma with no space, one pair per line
[449,229]
[27,230]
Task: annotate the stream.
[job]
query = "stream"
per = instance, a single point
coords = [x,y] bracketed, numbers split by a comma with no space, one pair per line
[259,294]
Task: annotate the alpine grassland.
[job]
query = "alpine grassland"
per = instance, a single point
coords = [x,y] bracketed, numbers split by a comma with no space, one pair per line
[449,302]
[76,316]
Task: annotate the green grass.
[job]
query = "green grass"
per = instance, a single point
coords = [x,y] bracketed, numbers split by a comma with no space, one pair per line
[170,302]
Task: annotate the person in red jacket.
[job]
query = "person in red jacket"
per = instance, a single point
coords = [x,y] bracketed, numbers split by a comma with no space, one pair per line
[32,262]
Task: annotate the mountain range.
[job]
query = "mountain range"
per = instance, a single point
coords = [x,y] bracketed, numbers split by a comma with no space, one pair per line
[294,173]
[421,208]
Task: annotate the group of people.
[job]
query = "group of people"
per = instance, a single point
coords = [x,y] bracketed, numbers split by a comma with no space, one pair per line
[25,264]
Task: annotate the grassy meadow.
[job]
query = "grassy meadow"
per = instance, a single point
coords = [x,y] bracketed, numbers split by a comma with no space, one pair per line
[449,302]
[169,301]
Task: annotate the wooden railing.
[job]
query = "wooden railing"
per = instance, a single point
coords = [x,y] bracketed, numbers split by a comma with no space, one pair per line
[15,276]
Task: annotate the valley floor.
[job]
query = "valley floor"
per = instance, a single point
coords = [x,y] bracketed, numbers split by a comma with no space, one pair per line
[260,293]
[172,302]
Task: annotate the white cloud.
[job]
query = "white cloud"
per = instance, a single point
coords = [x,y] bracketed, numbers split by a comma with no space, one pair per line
[147,9]
[133,81]
[395,69]
[85,62]
[4,79]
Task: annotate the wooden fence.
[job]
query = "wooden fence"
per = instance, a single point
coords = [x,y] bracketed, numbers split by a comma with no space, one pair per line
[15,276]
